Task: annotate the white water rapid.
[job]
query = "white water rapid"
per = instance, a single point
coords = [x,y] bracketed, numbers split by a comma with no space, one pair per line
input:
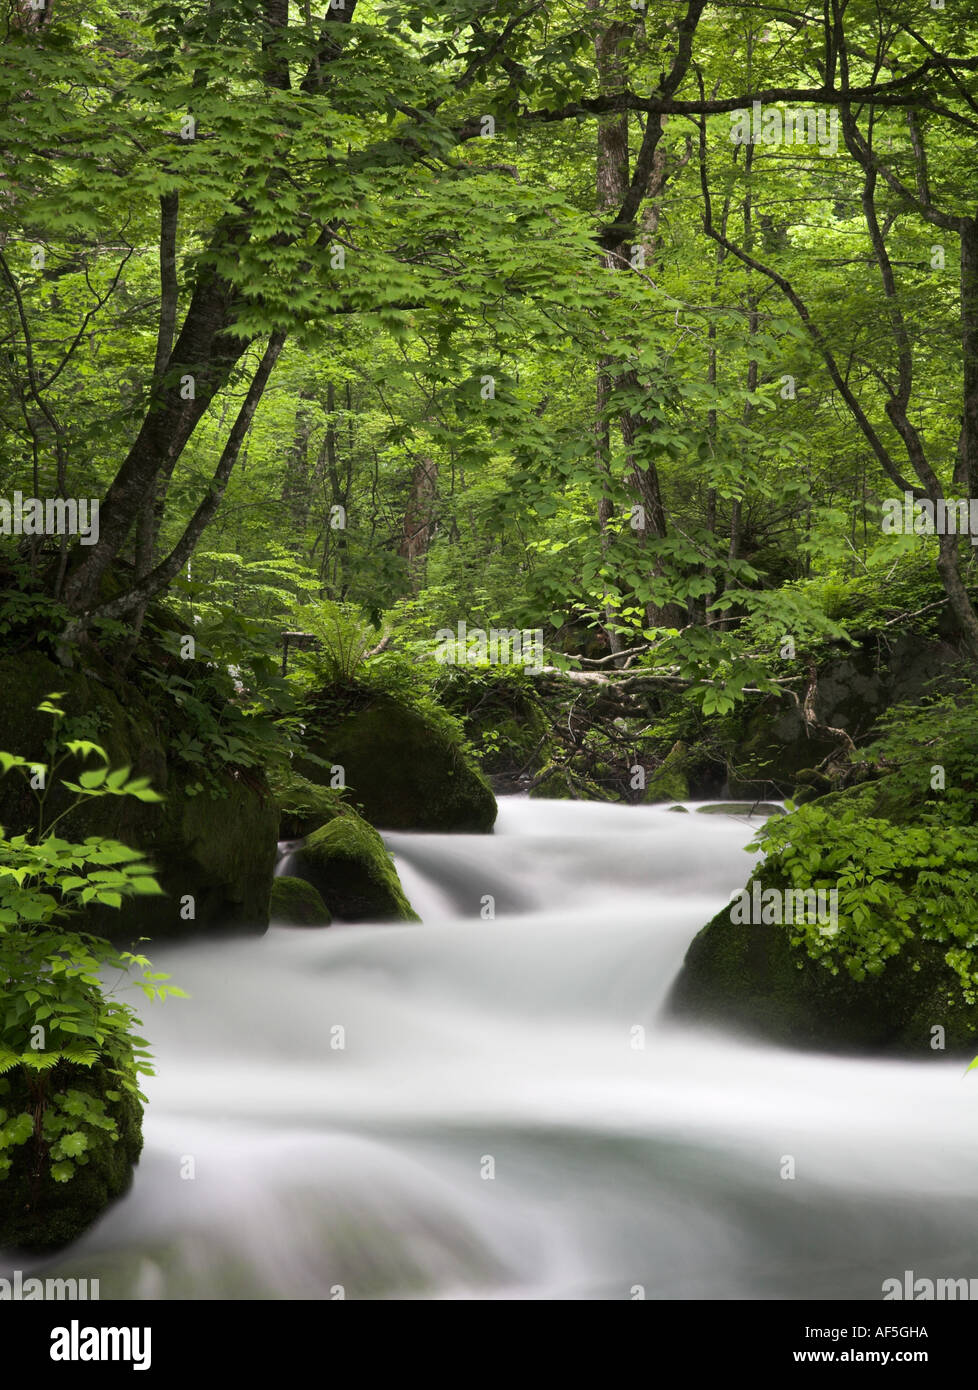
[510,1115]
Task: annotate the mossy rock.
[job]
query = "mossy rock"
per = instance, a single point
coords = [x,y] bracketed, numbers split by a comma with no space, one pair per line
[217,847]
[889,797]
[668,782]
[348,863]
[405,772]
[749,977]
[768,744]
[296,903]
[772,746]
[38,1214]
[810,784]
[761,809]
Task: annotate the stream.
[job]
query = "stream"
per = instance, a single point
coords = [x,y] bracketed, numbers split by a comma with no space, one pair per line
[495,1107]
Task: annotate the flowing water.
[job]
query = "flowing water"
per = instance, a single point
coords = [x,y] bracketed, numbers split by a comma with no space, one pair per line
[496,1107]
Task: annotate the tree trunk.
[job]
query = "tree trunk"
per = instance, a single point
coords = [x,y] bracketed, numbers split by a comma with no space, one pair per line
[419,520]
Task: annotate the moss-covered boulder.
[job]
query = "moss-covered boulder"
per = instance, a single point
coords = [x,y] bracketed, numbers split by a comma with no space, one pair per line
[888,960]
[348,863]
[749,976]
[38,1213]
[404,770]
[668,782]
[296,903]
[212,839]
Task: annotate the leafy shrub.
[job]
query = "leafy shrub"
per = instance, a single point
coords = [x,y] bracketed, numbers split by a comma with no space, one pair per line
[54,1009]
[928,750]
[895,883]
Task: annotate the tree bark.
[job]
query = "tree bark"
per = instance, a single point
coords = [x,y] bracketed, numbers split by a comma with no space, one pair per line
[419,520]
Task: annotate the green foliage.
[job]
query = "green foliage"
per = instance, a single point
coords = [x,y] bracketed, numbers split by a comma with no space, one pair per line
[344,638]
[215,724]
[55,1011]
[928,752]
[897,584]
[471,261]
[895,883]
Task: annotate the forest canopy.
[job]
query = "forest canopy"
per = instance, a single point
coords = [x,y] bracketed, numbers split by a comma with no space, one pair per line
[623,321]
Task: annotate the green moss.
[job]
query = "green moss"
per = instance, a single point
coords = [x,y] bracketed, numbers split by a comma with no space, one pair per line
[810,784]
[218,850]
[347,862]
[40,1214]
[405,772]
[296,903]
[886,798]
[668,781]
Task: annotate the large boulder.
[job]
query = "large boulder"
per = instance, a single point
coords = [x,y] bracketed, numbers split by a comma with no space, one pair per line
[39,1213]
[750,977]
[348,863]
[892,968]
[404,771]
[212,839]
